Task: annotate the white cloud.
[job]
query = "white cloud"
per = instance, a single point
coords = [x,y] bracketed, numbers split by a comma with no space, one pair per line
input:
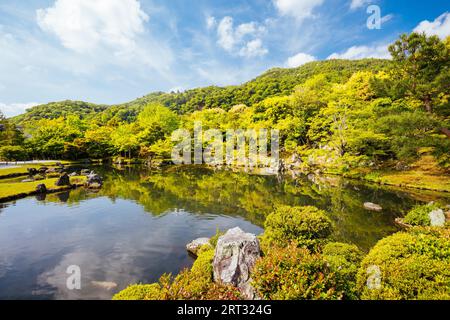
[253,48]
[387,18]
[211,22]
[356,4]
[243,40]
[14,109]
[439,27]
[361,52]
[226,35]
[83,25]
[299,59]
[299,9]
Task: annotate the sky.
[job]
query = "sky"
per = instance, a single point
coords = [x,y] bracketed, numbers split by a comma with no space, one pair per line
[113,51]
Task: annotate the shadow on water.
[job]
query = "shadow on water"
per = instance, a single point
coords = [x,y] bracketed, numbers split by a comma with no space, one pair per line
[135,228]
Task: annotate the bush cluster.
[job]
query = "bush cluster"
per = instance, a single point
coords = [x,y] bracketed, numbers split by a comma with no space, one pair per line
[307,226]
[420,215]
[412,265]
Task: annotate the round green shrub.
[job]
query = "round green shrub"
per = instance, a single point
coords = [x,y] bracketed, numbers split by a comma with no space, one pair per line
[412,265]
[419,215]
[307,226]
[344,260]
[292,273]
[140,292]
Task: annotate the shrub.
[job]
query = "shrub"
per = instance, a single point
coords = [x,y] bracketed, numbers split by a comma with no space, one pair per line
[307,226]
[419,215]
[194,284]
[344,260]
[13,153]
[140,292]
[413,265]
[292,273]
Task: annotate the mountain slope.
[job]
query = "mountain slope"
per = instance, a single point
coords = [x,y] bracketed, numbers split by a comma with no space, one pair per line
[274,82]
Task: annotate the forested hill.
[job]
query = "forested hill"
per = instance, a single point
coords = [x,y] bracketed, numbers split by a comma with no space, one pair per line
[274,82]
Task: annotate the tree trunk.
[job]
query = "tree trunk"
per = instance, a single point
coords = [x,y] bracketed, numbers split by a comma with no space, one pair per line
[428,105]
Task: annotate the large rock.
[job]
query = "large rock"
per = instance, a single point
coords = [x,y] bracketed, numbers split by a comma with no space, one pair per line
[32,171]
[234,259]
[196,244]
[41,188]
[63,180]
[372,206]
[94,181]
[437,218]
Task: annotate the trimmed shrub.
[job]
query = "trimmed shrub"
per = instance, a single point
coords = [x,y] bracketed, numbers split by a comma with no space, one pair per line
[419,215]
[194,284]
[140,292]
[413,265]
[292,273]
[344,260]
[307,226]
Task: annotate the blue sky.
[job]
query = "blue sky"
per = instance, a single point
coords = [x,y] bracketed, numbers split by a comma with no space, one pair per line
[113,51]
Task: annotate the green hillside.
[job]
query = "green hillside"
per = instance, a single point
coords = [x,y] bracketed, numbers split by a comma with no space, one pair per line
[274,82]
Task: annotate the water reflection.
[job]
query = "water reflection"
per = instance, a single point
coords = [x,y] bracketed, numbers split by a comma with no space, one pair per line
[136,227]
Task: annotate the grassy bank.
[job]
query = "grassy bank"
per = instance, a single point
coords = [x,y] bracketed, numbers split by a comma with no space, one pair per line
[21,169]
[16,190]
[424,174]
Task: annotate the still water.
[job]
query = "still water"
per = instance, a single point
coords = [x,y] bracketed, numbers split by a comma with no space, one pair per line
[136,227]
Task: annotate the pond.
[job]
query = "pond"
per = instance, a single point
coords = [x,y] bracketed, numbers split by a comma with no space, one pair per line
[136,227]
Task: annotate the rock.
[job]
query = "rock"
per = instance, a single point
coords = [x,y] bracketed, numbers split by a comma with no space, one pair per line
[437,218]
[32,171]
[372,206]
[63,180]
[235,255]
[107,285]
[43,170]
[41,188]
[193,246]
[38,177]
[94,181]
[50,170]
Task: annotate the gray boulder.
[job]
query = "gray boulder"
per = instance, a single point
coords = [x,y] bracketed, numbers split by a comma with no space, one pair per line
[94,181]
[372,206]
[195,245]
[41,188]
[437,218]
[235,256]
[63,180]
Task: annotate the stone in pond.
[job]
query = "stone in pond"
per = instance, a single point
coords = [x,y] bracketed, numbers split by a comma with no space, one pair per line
[41,188]
[437,218]
[63,180]
[107,285]
[196,244]
[235,256]
[372,206]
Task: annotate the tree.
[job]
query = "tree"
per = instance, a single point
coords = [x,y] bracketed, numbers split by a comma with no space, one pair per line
[422,66]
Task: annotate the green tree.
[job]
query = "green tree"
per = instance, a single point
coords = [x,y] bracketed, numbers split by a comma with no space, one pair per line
[422,66]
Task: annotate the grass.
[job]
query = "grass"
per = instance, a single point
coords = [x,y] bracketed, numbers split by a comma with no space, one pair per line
[16,189]
[424,174]
[21,169]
